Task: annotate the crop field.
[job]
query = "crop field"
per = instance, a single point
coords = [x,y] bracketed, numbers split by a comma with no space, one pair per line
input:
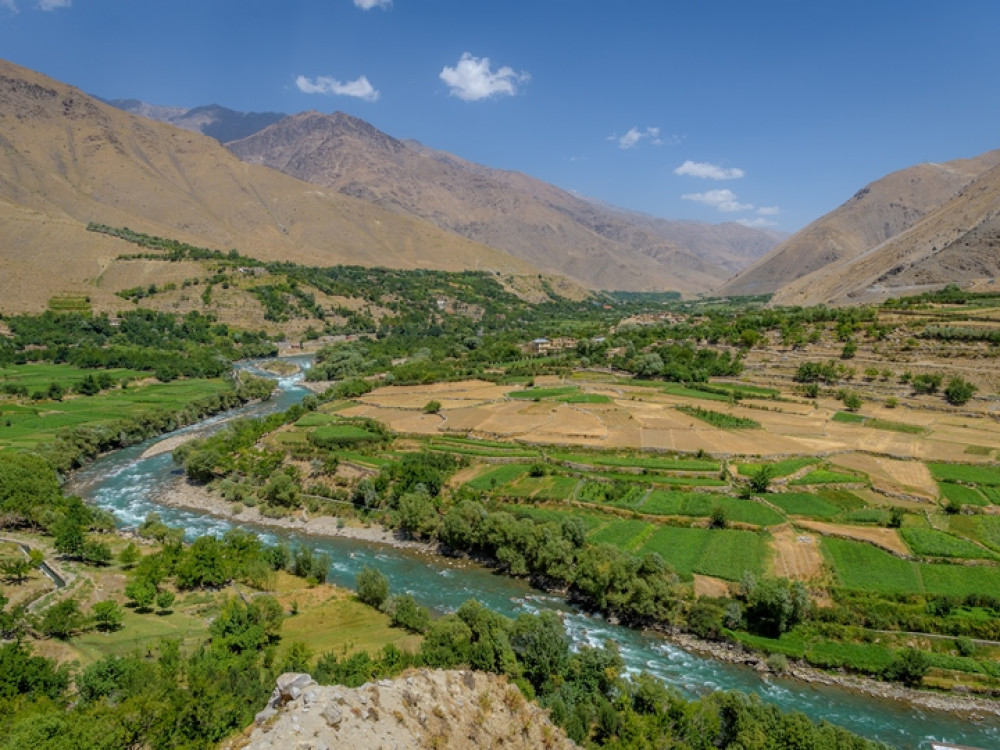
[724,553]
[498,476]
[779,468]
[969,473]
[542,488]
[638,462]
[626,534]
[962,494]
[719,419]
[38,376]
[666,503]
[804,504]
[25,426]
[610,494]
[878,516]
[825,476]
[545,393]
[854,564]
[934,543]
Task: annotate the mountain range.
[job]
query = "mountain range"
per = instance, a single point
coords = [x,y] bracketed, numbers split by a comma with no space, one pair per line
[331,188]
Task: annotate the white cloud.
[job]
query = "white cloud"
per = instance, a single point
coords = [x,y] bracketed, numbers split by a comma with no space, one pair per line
[360,88]
[722,200]
[757,223]
[472,79]
[10,5]
[54,4]
[708,171]
[634,135]
[769,210]
[369,4]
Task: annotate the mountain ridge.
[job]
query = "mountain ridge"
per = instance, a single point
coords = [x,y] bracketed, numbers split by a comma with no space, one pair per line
[876,214]
[67,159]
[536,221]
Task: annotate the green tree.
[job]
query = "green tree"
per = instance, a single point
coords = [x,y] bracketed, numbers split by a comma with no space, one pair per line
[141,592]
[129,556]
[165,600]
[406,613]
[909,667]
[62,619]
[372,586]
[775,606]
[108,615]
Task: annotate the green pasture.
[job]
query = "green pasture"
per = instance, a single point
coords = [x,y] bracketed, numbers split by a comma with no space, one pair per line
[39,376]
[24,426]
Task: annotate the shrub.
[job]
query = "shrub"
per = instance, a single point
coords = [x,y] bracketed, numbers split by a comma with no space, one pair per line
[959,391]
[373,586]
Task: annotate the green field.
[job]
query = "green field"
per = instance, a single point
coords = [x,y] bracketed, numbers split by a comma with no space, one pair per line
[498,476]
[556,488]
[934,543]
[665,503]
[863,567]
[970,473]
[825,476]
[962,494]
[540,393]
[804,504]
[626,534]
[719,419]
[26,426]
[639,462]
[779,468]
[38,376]
[725,553]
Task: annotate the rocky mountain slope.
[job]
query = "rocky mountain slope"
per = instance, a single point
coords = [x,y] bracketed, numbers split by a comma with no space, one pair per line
[67,159]
[424,709]
[957,243]
[809,266]
[540,223]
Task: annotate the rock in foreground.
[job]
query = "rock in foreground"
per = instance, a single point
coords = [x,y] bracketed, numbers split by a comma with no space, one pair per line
[420,709]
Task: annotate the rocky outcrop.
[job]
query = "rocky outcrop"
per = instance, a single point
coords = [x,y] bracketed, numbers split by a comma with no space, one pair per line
[422,708]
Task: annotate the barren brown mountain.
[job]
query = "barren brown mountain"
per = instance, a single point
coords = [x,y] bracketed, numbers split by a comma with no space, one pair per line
[957,243]
[67,159]
[546,226]
[874,215]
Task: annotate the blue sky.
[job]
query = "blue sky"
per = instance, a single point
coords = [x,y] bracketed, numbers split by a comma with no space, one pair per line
[768,112]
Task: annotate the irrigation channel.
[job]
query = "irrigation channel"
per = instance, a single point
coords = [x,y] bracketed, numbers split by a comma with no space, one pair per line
[125,484]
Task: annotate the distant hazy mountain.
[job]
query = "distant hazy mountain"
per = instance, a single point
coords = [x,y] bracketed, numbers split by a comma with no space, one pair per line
[824,261]
[212,120]
[555,230]
[67,159]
